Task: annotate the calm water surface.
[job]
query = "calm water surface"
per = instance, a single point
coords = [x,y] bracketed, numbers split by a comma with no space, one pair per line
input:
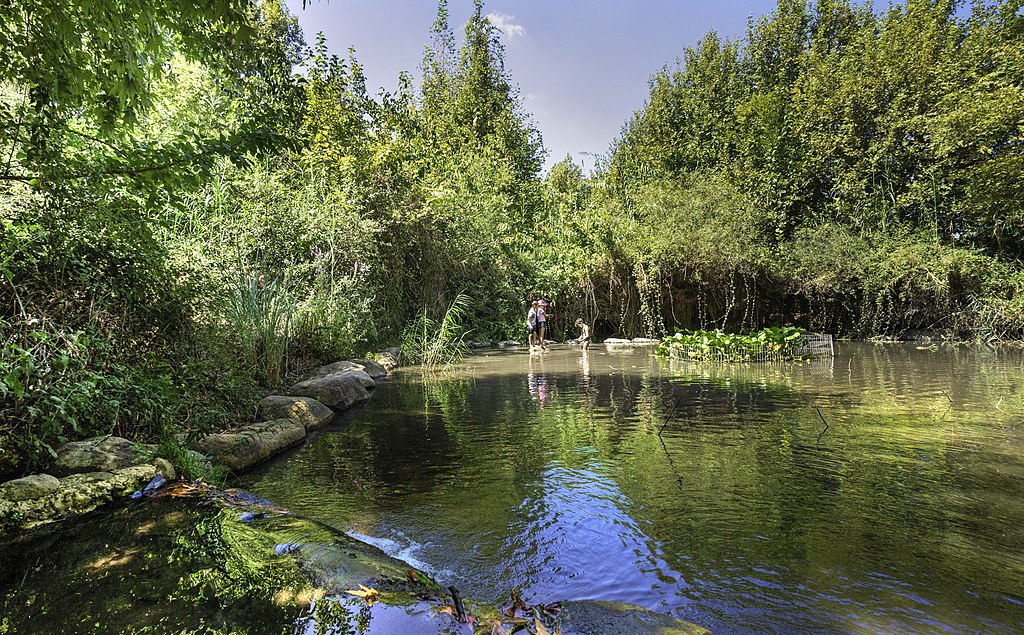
[720,496]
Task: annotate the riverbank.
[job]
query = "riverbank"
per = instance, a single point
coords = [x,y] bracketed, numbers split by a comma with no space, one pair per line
[85,475]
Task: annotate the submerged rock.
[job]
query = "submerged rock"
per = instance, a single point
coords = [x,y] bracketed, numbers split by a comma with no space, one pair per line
[308,411]
[600,617]
[337,391]
[508,344]
[253,443]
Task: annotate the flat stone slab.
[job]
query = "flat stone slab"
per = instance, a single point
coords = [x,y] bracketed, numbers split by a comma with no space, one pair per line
[308,411]
[508,344]
[100,454]
[599,617]
[255,442]
[29,487]
[645,341]
[337,391]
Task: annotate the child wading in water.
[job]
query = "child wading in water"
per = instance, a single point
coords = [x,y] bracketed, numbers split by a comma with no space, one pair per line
[531,323]
[584,338]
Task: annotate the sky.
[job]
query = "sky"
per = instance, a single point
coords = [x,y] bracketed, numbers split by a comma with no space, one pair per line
[581,66]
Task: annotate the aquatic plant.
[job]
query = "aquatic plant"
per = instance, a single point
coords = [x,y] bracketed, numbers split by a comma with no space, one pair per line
[438,342]
[768,344]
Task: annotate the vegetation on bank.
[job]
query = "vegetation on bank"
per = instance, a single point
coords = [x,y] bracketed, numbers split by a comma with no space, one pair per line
[185,221]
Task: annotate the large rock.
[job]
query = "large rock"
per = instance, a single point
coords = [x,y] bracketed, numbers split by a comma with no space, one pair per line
[100,454]
[598,617]
[390,358]
[76,494]
[29,487]
[344,367]
[376,371]
[255,442]
[508,344]
[338,391]
[309,412]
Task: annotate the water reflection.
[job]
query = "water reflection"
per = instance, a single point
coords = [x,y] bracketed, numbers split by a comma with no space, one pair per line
[719,494]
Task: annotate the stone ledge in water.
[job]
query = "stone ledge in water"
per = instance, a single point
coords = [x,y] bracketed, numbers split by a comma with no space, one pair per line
[308,411]
[645,341]
[337,391]
[243,448]
[508,344]
[75,495]
[600,617]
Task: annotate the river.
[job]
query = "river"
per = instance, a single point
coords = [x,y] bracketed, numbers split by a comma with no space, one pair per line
[879,491]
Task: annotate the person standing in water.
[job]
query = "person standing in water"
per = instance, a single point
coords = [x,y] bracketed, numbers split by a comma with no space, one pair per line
[584,338]
[531,323]
[542,321]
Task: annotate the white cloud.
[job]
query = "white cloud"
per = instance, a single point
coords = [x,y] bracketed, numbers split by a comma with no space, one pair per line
[506,24]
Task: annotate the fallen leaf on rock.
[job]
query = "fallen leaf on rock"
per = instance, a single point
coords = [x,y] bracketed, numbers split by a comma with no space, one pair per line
[367,594]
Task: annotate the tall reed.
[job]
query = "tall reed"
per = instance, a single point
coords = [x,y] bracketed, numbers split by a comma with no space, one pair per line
[436,343]
[261,312]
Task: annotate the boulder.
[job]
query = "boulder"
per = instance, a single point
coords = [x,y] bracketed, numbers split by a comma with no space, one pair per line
[338,391]
[618,341]
[100,454]
[508,344]
[376,371]
[343,366]
[76,494]
[253,443]
[599,617]
[389,358]
[29,487]
[309,412]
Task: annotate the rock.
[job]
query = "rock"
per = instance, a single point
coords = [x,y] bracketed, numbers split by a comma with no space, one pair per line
[618,341]
[337,391]
[389,358]
[475,344]
[376,371]
[29,487]
[508,344]
[308,411]
[599,617]
[164,467]
[255,442]
[342,366]
[100,454]
[77,494]
[645,341]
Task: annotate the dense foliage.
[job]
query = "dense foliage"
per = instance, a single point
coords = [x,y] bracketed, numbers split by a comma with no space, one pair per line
[185,222]
[847,170]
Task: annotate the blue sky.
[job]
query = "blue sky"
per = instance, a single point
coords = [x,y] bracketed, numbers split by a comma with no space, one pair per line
[581,65]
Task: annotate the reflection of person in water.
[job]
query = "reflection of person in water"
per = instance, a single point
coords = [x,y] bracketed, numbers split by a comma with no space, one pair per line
[537,382]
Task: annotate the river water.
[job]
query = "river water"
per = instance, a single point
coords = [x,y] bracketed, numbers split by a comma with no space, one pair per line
[881,491]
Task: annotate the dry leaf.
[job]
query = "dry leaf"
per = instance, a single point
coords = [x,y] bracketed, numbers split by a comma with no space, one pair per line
[539,628]
[367,594]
